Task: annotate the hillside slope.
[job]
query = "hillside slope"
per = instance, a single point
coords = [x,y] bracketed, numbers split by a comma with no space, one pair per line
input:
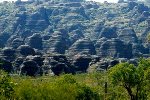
[72,28]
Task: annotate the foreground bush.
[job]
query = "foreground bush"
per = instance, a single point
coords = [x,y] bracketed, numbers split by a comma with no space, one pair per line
[134,79]
[6,86]
[62,88]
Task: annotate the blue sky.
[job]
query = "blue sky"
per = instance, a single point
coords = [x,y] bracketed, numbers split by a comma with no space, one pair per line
[89,0]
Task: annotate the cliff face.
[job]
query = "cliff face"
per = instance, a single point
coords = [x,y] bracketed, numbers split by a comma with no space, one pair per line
[75,28]
[65,24]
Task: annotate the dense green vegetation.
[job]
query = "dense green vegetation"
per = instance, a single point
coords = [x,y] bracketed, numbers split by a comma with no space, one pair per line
[133,78]
[122,82]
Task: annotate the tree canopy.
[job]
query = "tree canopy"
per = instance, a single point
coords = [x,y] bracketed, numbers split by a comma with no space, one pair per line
[134,79]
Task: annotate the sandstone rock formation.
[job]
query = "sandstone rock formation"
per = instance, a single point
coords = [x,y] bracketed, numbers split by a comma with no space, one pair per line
[82,46]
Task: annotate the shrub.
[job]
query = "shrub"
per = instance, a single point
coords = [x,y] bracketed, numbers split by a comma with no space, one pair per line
[6,86]
[64,87]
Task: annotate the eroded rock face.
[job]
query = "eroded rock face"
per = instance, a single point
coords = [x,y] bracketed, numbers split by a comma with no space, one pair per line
[75,35]
[77,30]
[10,40]
[73,4]
[6,65]
[60,68]
[102,65]
[75,26]
[143,17]
[17,42]
[38,59]
[131,5]
[9,54]
[139,50]
[82,46]
[115,48]
[81,63]
[99,27]
[3,39]
[99,43]
[26,50]
[29,68]
[60,64]
[108,32]
[142,8]
[7,51]
[91,5]
[35,41]
[17,64]
[128,35]
[58,43]
[37,21]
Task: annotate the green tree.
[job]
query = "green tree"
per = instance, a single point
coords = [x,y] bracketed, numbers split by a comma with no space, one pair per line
[134,79]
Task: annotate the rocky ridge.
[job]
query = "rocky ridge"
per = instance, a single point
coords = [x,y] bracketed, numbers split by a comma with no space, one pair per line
[69,36]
